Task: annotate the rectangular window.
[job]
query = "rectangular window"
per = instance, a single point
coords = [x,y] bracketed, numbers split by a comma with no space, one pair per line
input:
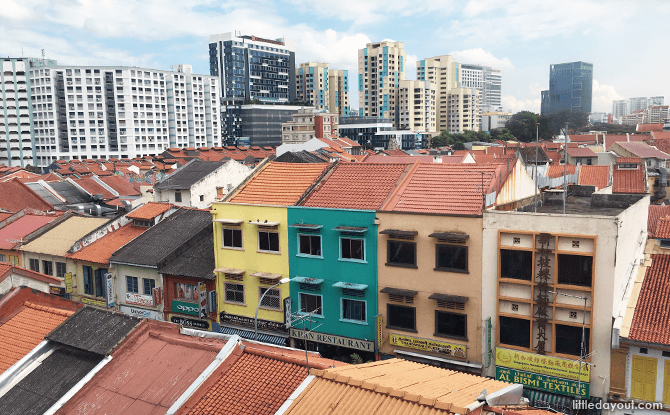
[310,245]
[401,317]
[515,331]
[352,248]
[401,253]
[100,282]
[187,292]
[451,258]
[271,300]
[516,264]
[177,196]
[3,258]
[60,269]
[451,325]
[132,285]
[575,269]
[88,280]
[149,284]
[268,241]
[232,238]
[47,267]
[310,303]
[234,293]
[569,339]
[353,310]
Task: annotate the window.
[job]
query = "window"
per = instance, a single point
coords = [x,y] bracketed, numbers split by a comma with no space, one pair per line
[515,331]
[401,317]
[451,258]
[234,293]
[516,264]
[100,282]
[132,284]
[271,300]
[401,253]
[574,269]
[353,310]
[177,196]
[310,245]
[60,269]
[352,249]
[310,303]
[88,280]
[451,325]
[142,223]
[47,267]
[149,285]
[202,198]
[268,241]
[232,238]
[187,291]
[3,258]
[569,339]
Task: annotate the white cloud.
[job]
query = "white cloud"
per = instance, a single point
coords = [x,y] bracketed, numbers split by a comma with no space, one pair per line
[513,105]
[410,67]
[603,95]
[479,56]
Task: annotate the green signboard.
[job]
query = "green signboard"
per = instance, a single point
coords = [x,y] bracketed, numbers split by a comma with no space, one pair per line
[542,382]
[182,307]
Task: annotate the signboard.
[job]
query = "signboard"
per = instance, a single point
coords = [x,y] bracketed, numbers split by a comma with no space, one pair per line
[202,299]
[56,290]
[110,290]
[91,301]
[158,297]
[487,342]
[544,365]
[68,282]
[334,340]
[139,299]
[544,383]
[380,330]
[183,307]
[189,322]
[427,345]
[212,301]
[141,313]
[266,325]
[287,312]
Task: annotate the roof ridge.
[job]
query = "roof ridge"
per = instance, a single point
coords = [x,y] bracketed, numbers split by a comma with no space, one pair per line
[285,358]
[52,310]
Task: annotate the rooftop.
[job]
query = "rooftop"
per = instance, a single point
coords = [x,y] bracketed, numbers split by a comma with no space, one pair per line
[93,187]
[656,212]
[575,205]
[13,233]
[628,180]
[149,211]
[598,176]
[584,138]
[103,248]
[120,185]
[651,318]
[581,152]
[643,150]
[557,170]
[649,127]
[16,196]
[189,174]
[610,139]
[58,240]
[197,261]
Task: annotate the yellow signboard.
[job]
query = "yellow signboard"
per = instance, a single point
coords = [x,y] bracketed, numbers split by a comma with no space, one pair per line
[544,365]
[91,301]
[380,331]
[427,345]
[68,282]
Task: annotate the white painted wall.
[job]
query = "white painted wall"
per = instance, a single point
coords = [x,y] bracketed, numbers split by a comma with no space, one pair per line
[15,280]
[119,273]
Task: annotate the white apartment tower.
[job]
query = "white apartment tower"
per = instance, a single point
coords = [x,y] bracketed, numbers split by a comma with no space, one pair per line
[441,72]
[338,85]
[465,111]
[311,80]
[416,102]
[620,108]
[381,67]
[485,79]
[102,112]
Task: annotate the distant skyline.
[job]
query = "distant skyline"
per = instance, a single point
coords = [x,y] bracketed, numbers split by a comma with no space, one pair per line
[522,38]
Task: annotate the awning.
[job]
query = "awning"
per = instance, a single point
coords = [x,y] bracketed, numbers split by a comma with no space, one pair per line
[250,335]
[229,221]
[398,291]
[305,280]
[451,236]
[539,399]
[354,229]
[438,359]
[267,275]
[396,232]
[232,271]
[306,226]
[450,298]
[350,286]
[266,223]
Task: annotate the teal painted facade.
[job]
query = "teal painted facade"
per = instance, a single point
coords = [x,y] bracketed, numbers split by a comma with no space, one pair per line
[325,262]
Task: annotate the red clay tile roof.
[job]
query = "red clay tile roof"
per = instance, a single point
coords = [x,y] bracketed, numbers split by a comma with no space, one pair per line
[115,202]
[652,316]
[356,186]
[101,250]
[26,329]
[585,138]
[120,185]
[660,135]
[444,188]
[628,180]
[16,196]
[149,211]
[649,127]
[5,215]
[598,176]
[398,159]
[554,156]
[495,150]
[12,234]
[628,160]
[644,150]
[581,152]
[452,159]
[281,184]
[663,228]
[95,188]
[662,144]
[556,170]
[615,138]
[396,152]
[656,212]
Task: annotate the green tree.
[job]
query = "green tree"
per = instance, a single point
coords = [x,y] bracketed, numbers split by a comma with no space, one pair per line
[458,146]
[575,120]
[502,134]
[522,126]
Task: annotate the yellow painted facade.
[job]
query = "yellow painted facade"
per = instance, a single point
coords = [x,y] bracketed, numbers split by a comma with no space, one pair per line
[249,258]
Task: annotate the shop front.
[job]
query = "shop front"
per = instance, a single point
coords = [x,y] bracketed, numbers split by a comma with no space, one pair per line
[345,349]
[269,331]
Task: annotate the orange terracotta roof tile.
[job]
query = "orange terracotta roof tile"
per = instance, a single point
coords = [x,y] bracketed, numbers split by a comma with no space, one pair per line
[281,184]
[656,212]
[660,135]
[581,152]
[651,318]
[356,186]
[628,180]
[12,234]
[643,150]
[95,188]
[120,185]
[25,330]
[598,176]
[585,138]
[610,139]
[398,159]
[149,211]
[101,250]
[557,170]
[663,228]
[396,152]
[649,127]
[628,160]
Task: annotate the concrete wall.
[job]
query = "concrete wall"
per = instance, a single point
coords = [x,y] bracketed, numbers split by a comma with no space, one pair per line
[119,273]
[15,280]
[519,184]
[227,176]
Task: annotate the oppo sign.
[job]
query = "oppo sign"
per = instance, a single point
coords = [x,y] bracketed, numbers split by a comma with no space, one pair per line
[183,307]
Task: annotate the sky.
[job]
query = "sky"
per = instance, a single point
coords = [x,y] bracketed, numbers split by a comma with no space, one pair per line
[626,42]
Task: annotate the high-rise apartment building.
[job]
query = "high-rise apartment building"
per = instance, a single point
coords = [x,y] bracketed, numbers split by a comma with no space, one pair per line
[255,125]
[486,80]
[620,108]
[251,68]
[308,124]
[417,106]
[440,71]
[465,112]
[323,88]
[338,83]
[570,88]
[16,113]
[82,112]
[381,67]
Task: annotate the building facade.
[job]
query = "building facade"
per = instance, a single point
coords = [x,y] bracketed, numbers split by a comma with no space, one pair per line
[486,80]
[255,125]
[381,67]
[251,68]
[493,120]
[312,84]
[364,130]
[83,112]
[465,112]
[441,71]
[338,83]
[417,106]
[308,124]
[570,87]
